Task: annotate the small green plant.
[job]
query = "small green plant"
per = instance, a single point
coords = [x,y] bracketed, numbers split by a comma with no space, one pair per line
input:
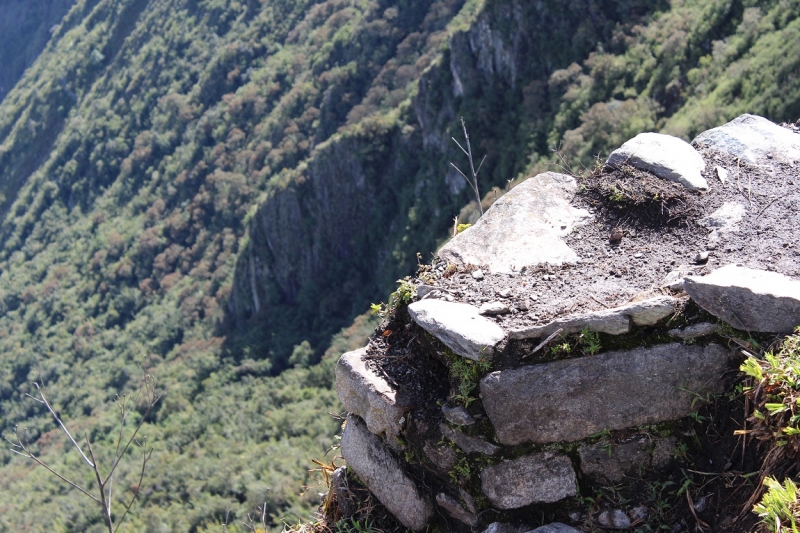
[590,341]
[466,373]
[776,394]
[404,295]
[779,509]
[461,471]
[354,526]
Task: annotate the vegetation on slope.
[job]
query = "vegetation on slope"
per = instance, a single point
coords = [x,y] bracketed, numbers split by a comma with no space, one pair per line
[24,31]
[203,189]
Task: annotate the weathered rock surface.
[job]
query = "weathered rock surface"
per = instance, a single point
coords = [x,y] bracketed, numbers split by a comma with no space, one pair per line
[555,527]
[752,139]
[571,399]
[502,527]
[493,308]
[615,321]
[695,331]
[468,443]
[524,228]
[444,457]
[370,396]
[748,299]
[614,519]
[665,156]
[459,326]
[378,468]
[607,462]
[454,509]
[457,415]
[725,218]
[541,478]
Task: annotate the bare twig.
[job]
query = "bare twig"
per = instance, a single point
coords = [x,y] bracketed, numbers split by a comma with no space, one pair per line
[104,485]
[473,181]
[60,423]
[545,342]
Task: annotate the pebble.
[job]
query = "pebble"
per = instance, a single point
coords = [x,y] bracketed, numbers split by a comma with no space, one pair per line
[702,257]
[478,274]
[722,174]
[505,293]
[615,518]
[457,415]
[638,255]
[493,308]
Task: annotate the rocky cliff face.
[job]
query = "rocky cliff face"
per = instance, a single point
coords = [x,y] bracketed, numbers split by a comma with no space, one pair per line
[563,342]
[351,220]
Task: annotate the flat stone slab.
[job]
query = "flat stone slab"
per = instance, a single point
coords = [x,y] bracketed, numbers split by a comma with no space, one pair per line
[752,139]
[725,218]
[455,509]
[665,156]
[541,478]
[459,326]
[467,443]
[615,321]
[571,399]
[380,470]
[368,395]
[607,462]
[524,228]
[457,415]
[748,299]
[695,331]
[555,527]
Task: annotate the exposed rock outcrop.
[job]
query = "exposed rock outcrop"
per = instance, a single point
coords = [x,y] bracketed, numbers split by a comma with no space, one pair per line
[571,331]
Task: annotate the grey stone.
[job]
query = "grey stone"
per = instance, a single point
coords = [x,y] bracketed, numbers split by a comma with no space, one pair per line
[665,156]
[724,219]
[444,457]
[695,331]
[454,509]
[370,396]
[380,470]
[469,444]
[555,527]
[614,519]
[615,321]
[493,308]
[502,527]
[459,326]
[674,279]
[478,274]
[608,462]
[457,415]
[468,500]
[638,513]
[748,299]
[569,400]
[722,174]
[752,139]
[524,228]
[541,478]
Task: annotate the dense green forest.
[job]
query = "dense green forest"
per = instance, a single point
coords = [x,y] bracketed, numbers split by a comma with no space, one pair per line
[25,27]
[213,191]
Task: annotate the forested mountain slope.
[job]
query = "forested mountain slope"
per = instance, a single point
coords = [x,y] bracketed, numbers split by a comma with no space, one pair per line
[25,28]
[208,190]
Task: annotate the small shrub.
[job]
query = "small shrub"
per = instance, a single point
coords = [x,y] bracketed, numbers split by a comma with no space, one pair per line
[779,509]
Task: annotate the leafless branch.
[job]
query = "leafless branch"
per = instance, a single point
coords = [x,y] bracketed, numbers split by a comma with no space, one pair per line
[104,485]
[60,423]
[473,181]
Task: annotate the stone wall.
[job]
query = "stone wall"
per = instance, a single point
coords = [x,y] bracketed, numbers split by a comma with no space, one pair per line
[562,339]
